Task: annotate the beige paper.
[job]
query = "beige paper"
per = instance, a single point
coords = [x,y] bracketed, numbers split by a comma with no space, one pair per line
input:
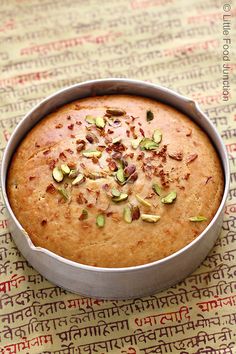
[47,45]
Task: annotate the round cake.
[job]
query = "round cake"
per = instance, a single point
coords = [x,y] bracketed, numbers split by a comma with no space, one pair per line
[115,181]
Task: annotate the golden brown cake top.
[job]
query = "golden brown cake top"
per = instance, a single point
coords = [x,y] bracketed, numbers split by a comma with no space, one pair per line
[115,181]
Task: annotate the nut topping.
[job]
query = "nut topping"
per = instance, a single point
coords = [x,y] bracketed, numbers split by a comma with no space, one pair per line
[120,177]
[135,212]
[148,144]
[78,180]
[135,143]
[156,188]
[92,138]
[115,112]
[129,170]
[115,192]
[57,174]
[90,119]
[84,215]
[100,122]
[127,214]
[92,153]
[65,169]
[169,198]
[197,218]
[63,193]
[100,220]
[120,198]
[157,136]
[143,201]
[149,116]
[150,218]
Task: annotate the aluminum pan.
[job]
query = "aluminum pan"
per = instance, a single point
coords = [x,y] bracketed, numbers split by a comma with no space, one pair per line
[116,283]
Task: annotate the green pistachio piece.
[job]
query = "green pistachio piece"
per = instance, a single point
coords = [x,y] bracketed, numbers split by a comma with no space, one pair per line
[127,214]
[115,111]
[114,122]
[198,218]
[84,215]
[92,153]
[100,220]
[148,144]
[90,119]
[57,174]
[120,177]
[115,192]
[116,140]
[142,201]
[64,193]
[135,143]
[169,198]
[73,174]
[135,212]
[78,180]
[157,136]
[150,218]
[100,122]
[120,164]
[156,188]
[65,169]
[149,116]
[96,175]
[121,198]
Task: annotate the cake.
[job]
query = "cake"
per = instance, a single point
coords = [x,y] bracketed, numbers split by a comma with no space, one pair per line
[115,181]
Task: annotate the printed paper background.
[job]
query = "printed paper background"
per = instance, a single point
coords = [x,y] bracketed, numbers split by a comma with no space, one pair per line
[46,45]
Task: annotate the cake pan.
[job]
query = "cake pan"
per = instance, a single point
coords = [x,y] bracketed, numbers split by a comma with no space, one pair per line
[116,283]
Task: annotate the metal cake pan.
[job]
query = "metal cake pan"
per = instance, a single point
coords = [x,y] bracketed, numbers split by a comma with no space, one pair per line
[116,283]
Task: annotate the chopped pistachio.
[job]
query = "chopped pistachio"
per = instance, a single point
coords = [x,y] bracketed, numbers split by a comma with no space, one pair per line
[121,198]
[65,169]
[116,140]
[115,192]
[143,201]
[114,122]
[73,174]
[96,175]
[57,174]
[115,111]
[150,218]
[120,177]
[84,215]
[169,198]
[127,214]
[92,138]
[135,212]
[156,188]
[92,153]
[78,180]
[131,179]
[149,116]
[135,143]
[90,119]
[64,193]
[157,136]
[112,166]
[129,170]
[100,220]
[100,122]
[197,218]
[148,144]
[120,164]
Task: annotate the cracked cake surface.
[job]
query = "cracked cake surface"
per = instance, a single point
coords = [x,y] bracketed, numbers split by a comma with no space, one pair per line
[115,181]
